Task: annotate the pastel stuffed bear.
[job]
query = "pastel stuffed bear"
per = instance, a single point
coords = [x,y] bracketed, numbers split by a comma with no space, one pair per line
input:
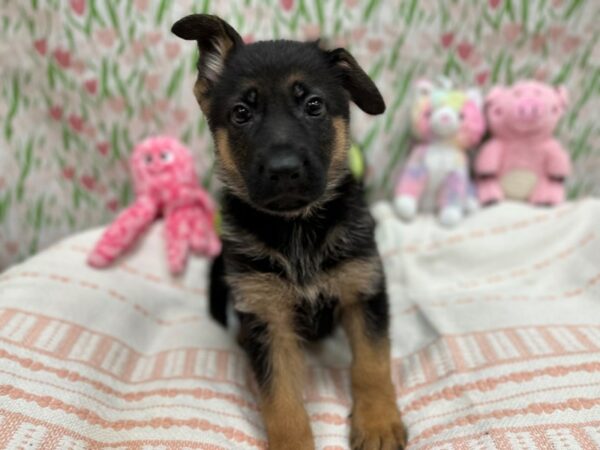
[522,160]
[448,123]
[165,184]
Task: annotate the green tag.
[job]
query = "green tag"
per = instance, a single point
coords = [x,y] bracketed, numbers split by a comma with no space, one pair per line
[217,222]
[356,162]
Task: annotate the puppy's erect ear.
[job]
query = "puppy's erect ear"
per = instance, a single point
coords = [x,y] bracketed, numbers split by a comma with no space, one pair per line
[216,41]
[361,88]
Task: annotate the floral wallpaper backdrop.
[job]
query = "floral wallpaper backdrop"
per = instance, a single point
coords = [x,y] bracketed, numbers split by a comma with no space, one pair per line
[82,81]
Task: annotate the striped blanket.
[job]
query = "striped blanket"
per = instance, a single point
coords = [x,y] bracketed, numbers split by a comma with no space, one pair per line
[496,344]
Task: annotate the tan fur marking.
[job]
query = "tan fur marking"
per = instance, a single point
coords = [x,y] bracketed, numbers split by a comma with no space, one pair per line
[224,151]
[346,282]
[338,167]
[226,165]
[339,156]
[200,90]
[286,420]
[293,78]
[375,416]
[244,242]
[358,277]
[266,294]
[263,294]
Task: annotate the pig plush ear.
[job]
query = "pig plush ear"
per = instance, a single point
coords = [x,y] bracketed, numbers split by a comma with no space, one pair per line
[424,88]
[493,95]
[475,96]
[563,97]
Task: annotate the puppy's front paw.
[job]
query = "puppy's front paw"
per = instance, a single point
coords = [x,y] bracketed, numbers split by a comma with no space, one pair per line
[377,428]
[289,431]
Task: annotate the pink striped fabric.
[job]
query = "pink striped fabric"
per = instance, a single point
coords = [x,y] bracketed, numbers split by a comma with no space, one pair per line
[496,344]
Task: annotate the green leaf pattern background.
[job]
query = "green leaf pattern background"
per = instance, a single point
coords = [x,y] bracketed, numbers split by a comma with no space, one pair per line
[81,81]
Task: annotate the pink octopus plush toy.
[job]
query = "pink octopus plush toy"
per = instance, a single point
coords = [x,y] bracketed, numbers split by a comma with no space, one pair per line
[522,160]
[165,184]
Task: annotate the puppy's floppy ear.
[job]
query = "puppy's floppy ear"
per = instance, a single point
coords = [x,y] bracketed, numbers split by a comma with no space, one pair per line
[361,88]
[216,41]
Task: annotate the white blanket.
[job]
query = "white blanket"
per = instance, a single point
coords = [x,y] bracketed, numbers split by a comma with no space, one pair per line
[496,344]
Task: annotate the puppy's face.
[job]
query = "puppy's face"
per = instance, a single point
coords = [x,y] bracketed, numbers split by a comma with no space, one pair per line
[278,111]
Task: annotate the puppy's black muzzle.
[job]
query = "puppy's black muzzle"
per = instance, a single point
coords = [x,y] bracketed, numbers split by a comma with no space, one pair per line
[285,171]
[285,179]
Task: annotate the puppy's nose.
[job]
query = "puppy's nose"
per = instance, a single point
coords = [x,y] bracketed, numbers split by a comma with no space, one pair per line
[284,167]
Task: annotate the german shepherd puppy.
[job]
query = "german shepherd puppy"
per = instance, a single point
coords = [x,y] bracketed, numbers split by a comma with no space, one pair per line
[299,254]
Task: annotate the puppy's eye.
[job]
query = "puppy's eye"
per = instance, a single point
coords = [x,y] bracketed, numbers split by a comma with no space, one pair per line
[241,114]
[314,106]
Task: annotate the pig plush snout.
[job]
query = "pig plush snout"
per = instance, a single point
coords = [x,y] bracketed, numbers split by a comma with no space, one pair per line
[529,109]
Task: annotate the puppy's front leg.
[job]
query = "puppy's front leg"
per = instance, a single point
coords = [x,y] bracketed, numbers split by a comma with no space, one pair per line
[276,357]
[375,422]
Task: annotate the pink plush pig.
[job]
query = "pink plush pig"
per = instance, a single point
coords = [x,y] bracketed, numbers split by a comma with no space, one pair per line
[522,160]
[165,184]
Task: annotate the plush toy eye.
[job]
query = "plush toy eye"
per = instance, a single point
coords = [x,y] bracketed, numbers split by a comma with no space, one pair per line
[428,113]
[148,158]
[555,109]
[166,156]
[461,116]
[241,114]
[314,106]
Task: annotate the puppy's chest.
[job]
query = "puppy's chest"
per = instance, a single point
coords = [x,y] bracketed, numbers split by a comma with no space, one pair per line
[306,255]
[306,261]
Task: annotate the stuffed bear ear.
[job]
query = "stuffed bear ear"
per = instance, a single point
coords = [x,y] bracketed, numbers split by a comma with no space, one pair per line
[475,96]
[424,87]
[444,82]
[563,96]
[359,85]
[216,41]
